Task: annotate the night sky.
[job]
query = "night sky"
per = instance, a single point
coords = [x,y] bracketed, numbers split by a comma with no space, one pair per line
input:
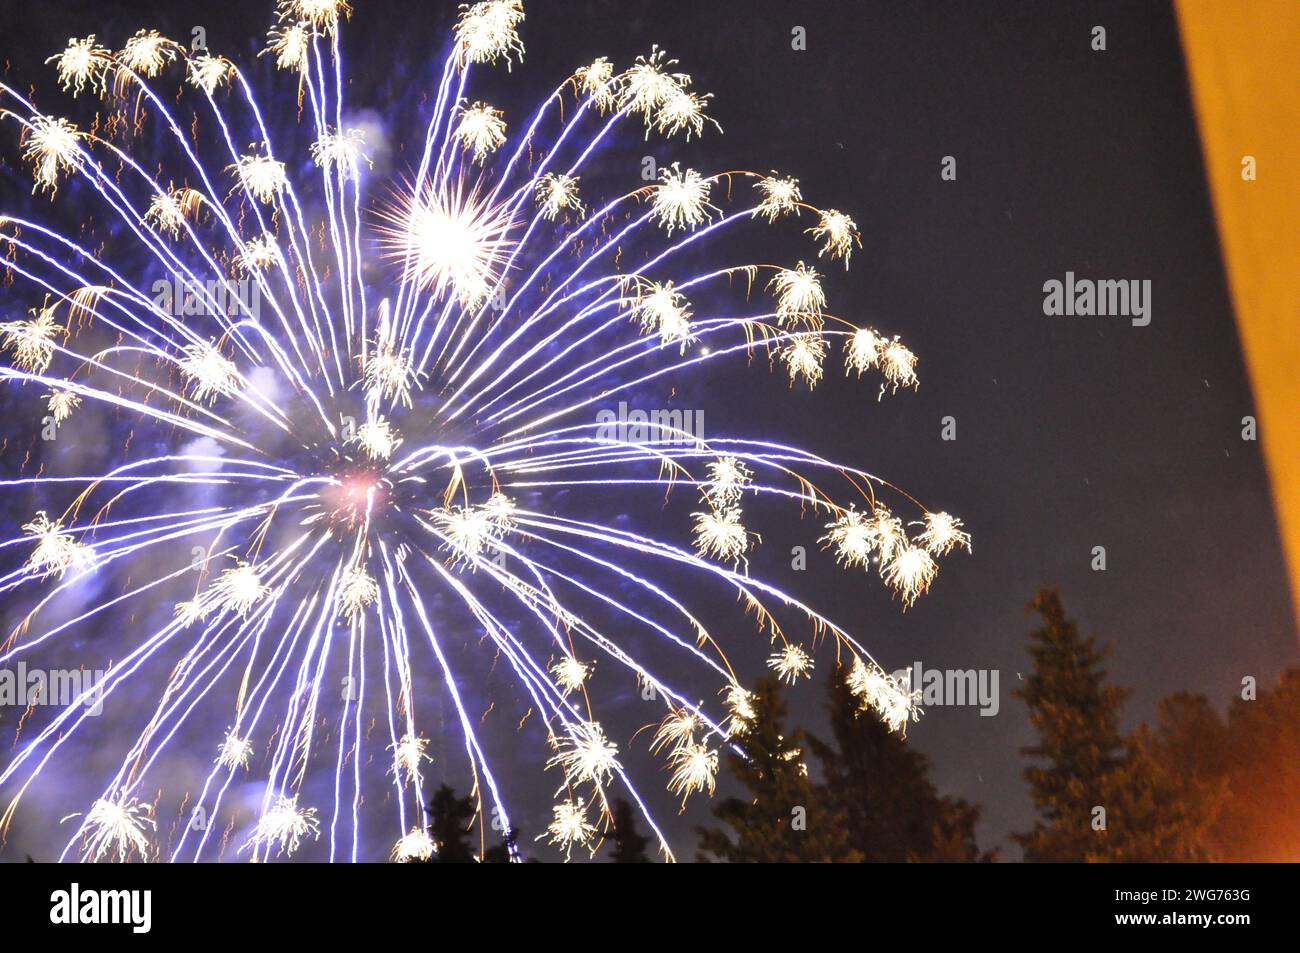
[1072,432]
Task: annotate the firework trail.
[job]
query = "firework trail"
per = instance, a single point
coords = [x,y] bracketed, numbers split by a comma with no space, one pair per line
[394,439]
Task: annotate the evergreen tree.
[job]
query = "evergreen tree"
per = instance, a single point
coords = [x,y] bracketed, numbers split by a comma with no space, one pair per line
[449,820]
[784,818]
[1190,788]
[501,853]
[1157,807]
[1195,787]
[1191,735]
[954,834]
[1076,715]
[629,845]
[881,788]
[1261,770]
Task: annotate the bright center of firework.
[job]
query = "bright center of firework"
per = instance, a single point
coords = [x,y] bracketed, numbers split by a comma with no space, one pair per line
[450,240]
[359,493]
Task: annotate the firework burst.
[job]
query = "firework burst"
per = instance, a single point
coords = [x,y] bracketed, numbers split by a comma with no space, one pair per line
[388,448]
[119,827]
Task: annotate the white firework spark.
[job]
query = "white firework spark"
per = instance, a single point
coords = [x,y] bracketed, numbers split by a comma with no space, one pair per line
[863,351]
[235,751]
[82,64]
[781,196]
[665,312]
[239,588]
[357,590]
[695,768]
[33,342]
[482,130]
[683,110]
[390,372]
[61,404]
[893,700]
[728,478]
[887,533]
[52,145]
[453,239]
[597,81]
[191,611]
[148,52]
[489,31]
[585,754]
[790,663]
[209,73]
[677,729]
[799,295]
[721,535]
[118,826]
[803,357]
[740,705]
[853,538]
[212,375]
[321,15]
[942,534]
[909,570]
[649,84]
[898,365]
[409,755]
[261,175]
[500,509]
[681,199]
[284,825]
[469,530]
[569,827]
[378,438]
[839,233]
[557,192]
[344,151]
[57,551]
[169,211]
[258,254]
[290,45]
[570,674]
[414,845]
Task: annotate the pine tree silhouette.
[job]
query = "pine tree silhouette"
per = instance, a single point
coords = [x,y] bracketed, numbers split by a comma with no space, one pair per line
[882,789]
[1234,783]
[629,845]
[1261,765]
[1192,787]
[449,820]
[785,818]
[503,852]
[1076,715]
[1158,807]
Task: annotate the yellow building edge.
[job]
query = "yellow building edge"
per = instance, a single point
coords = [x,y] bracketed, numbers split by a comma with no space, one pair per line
[1243,63]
